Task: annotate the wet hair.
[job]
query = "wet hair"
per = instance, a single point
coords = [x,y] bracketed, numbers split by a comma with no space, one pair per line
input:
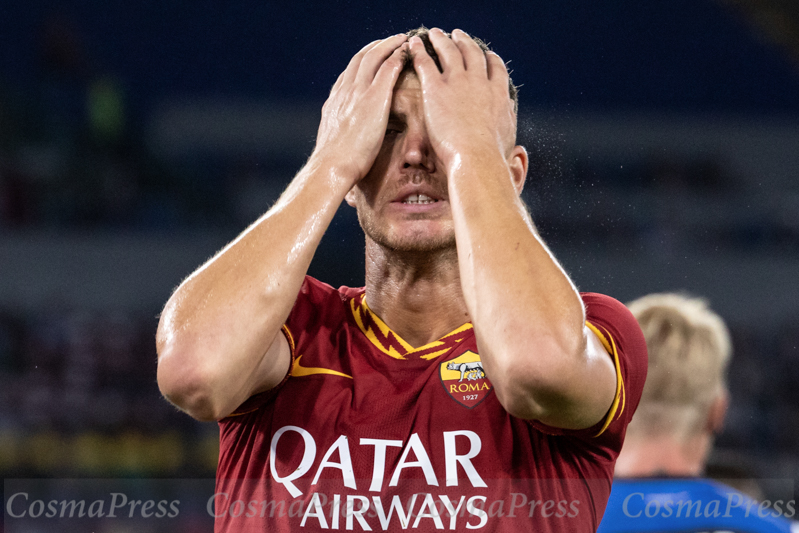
[424,34]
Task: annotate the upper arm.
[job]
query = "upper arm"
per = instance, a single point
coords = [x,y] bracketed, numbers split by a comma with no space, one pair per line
[207,394]
[588,390]
[624,347]
[274,367]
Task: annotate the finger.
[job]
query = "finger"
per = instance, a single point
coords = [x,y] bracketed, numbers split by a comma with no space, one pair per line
[339,81]
[423,64]
[389,71]
[352,67]
[374,58]
[496,67]
[449,55]
[473,56]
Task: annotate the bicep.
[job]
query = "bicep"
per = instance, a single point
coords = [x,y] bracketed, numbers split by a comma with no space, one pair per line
[272,369]
[590,391]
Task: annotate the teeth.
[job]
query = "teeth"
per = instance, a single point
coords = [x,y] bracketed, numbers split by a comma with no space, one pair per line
[418,199]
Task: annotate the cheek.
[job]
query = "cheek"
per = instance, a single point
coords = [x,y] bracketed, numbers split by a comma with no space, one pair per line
[367,190]
[374,182]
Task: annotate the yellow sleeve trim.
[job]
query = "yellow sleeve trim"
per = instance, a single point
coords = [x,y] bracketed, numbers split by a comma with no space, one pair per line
[289,338]
[617,407]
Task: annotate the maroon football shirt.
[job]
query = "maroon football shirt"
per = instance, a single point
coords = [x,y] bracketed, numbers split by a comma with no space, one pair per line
[368,433]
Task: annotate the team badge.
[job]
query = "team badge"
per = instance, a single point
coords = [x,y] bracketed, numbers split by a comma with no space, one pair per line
[465,380]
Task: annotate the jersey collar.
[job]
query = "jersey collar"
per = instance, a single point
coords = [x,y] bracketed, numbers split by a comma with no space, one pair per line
[391,344]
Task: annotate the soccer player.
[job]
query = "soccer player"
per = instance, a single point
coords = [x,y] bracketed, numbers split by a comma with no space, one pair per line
[467,386]
[658,485]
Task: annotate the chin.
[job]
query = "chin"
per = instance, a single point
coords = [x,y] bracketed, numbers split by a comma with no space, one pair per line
[417,241]
[421,235]
[420,245]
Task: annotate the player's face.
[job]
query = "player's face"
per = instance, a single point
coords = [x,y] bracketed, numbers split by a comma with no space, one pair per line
[403,201]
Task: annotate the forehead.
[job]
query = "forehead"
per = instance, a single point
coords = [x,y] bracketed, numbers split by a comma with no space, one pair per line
[407,93]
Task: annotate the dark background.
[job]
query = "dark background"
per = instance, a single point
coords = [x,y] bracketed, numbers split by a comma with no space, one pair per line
[136,138]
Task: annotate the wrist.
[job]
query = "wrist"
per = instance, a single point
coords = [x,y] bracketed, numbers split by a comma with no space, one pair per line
[333,169]
[474,159]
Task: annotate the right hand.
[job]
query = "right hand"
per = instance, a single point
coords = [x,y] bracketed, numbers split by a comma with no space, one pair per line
[355,116]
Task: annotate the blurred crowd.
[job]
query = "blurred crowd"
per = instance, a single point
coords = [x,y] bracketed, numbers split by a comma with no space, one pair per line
[85,173]
[73,155]
[78,396]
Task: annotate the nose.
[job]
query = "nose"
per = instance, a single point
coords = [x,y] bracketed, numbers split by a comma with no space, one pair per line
[417,152]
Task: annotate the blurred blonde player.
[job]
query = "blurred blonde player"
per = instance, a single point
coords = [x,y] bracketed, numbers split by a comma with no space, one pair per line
[658,484]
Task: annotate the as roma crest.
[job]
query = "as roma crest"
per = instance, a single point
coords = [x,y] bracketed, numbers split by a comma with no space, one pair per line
[465,380]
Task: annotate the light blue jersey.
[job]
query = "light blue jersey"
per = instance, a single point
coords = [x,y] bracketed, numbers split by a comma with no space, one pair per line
[691,506]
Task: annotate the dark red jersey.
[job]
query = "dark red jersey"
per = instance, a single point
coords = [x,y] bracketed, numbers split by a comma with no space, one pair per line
[370,433]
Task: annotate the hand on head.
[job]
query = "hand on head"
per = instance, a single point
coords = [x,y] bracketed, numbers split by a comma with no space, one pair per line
[355,114]
[466,105]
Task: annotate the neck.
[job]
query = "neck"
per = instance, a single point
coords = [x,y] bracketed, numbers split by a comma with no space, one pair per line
[417,294]
[650,456]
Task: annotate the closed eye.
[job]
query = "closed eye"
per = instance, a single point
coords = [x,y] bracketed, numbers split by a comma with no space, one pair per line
[395,124]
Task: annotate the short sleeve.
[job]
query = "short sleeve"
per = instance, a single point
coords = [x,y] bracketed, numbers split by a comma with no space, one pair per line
[318,309]
[622,338]
[315,303]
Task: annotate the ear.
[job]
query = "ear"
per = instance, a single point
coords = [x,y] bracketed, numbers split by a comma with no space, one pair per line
[518,162]
[717,413]
[351,196]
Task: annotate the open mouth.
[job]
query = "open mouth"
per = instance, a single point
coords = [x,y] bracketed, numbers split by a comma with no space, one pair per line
[418,199]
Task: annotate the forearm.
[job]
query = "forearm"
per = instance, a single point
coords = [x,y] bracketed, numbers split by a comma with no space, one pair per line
[218,336]
[528,317]
[218,325]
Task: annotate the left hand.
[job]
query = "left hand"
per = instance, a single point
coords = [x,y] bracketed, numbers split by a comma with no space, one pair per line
[468,111]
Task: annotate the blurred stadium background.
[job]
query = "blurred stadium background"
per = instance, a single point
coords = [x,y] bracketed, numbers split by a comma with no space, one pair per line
[137,138]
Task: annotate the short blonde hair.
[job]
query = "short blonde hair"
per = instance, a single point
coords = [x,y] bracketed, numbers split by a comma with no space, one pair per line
[689,351]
